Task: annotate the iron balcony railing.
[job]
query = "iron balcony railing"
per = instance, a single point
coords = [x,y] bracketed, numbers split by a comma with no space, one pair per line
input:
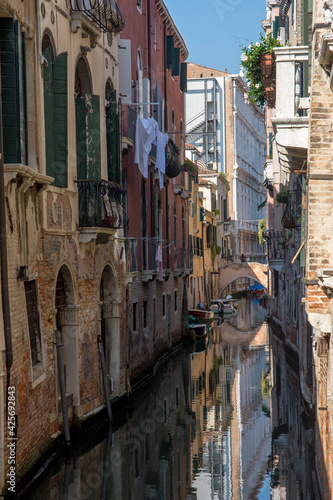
[104,13]
[276,244]
[101,204]
[183,258]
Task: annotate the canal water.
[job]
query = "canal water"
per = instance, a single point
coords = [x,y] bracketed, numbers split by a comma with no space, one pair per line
[203,429]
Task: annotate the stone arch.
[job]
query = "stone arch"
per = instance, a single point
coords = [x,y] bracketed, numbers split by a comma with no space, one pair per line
[66,323]
[110,322]
[253,270]
[108,87]
[48,41]
[83,80]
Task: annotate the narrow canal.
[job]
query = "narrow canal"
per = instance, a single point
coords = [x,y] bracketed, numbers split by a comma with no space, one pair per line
[207,427]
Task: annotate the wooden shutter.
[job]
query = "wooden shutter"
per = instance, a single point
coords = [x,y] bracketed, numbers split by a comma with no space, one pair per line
[48,112]
[176,61]
[13,83]
[112,138]
[183,77]
[55,111]
[276,26]
[60,120]
[169,51]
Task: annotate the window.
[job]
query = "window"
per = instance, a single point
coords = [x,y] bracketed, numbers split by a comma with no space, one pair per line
[145,313]
[33,322]
[139,5]
[176,301]
[163,305]
[55,114]
[13,83]
[135,316]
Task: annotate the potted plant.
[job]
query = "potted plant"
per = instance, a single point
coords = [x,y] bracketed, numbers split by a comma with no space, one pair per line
[282,197]
[258,62]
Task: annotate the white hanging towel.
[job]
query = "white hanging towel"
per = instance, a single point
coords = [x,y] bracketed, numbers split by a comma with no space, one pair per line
[146,131]
[162,141]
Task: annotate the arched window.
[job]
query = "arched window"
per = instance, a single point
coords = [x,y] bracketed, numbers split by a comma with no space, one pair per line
[55,112]
[88,140]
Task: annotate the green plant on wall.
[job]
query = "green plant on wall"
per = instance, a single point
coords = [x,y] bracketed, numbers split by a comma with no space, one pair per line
[190,166]
[216,211]
[262,228]
[251,62]
[216,250]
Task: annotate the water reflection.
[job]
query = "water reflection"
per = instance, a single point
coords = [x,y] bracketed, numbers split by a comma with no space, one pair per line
[201,430]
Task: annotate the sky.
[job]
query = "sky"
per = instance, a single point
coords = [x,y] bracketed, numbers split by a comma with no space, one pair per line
[213,30]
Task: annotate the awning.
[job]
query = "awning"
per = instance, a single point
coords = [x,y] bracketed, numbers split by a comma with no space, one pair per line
[262,204]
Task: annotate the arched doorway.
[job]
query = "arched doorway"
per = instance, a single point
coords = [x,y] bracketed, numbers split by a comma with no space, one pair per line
[66,323]
[110,324]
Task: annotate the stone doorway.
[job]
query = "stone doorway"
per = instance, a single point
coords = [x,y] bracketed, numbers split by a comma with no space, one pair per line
[66,323]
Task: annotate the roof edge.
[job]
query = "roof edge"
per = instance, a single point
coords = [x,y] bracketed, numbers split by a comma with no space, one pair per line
[172,28]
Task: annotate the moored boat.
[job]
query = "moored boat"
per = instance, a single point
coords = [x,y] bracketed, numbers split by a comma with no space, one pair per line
[202,315]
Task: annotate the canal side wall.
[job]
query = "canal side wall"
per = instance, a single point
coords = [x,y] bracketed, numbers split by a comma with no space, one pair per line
[61,276]
[163,328]
[319,248]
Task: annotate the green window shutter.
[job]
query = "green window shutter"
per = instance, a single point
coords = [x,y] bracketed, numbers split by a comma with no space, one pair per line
[169,51]
[287,29]
[176,61]
[112,138]
[93,137]
[81,142]
[13,82]
[60,120]
[183,77]
[276,26]
[48,112]
[270,145]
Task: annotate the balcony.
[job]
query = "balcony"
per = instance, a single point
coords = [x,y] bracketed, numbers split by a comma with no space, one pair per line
[105,14]
[100,206]
[291,120]
[276,248]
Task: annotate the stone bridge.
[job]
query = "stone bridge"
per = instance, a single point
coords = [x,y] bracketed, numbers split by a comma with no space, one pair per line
[231,272]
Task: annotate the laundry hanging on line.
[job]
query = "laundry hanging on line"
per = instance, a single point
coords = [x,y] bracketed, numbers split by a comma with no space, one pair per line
[147,134]
[159,263]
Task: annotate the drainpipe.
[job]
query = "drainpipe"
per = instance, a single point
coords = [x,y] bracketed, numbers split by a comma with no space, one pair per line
[3,259]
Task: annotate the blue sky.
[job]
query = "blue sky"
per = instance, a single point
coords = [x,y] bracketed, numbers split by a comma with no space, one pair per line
[213,30]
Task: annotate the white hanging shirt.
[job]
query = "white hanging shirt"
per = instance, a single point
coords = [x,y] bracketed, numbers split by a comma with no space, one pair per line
[162,141]
[146,131]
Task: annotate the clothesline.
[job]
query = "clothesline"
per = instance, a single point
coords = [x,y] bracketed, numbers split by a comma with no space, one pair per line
[156,242]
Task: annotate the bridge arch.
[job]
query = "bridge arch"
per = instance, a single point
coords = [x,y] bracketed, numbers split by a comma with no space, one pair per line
[232,272]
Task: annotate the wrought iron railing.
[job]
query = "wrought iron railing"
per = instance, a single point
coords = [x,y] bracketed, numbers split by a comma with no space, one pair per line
[105,13]
[101,204]
[276,244]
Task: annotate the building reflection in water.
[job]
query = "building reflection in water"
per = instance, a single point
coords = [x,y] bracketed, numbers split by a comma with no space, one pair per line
[202,430]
